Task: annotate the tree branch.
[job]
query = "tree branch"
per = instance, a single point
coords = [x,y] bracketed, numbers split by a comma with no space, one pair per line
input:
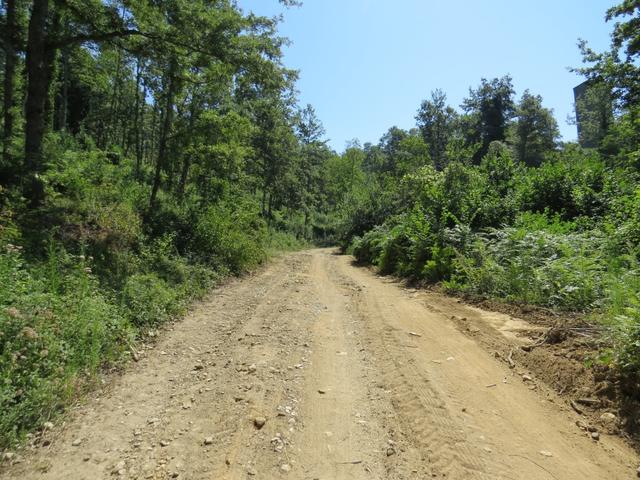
[94,37]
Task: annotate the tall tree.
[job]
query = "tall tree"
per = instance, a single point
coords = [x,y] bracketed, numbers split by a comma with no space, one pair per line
[11,45]
[90,21]
[617,71]
[308,126]
[492,107]
[535,130]
[313,154]
[436,121]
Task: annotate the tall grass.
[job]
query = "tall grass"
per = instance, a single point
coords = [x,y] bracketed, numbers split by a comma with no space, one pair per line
[57,329]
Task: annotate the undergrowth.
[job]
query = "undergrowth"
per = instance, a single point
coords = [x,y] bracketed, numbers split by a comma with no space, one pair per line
[76,297]
[563,236]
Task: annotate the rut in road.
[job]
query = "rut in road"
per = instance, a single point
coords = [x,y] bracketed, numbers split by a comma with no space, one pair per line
[356,378]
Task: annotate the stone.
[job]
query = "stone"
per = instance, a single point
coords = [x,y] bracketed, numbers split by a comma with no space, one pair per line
[285,467]
[208,441]
[76,443]
[595,435]
[259,422]
[608,418]
[582,425]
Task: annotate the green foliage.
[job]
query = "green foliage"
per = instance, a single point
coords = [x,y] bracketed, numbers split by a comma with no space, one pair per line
[221,240]
[407,247]
[490,107]
[535,131]
[57,329]
[436,122]
[149,300]
[560,271]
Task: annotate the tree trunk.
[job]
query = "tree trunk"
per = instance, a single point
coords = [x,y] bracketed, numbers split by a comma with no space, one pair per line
[112,129]
[11,58]
[64,95]
[38,80]
[263,203]
[183,177]
[137,115]
[187,158]
[164,134]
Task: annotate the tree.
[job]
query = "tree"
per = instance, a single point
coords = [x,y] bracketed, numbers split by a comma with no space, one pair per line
[401,152]
[618,68]
[11,44]
[626,38]
[535,130]
[275,151]
[91,21]
[308,126]
[313,154]
[491,107]
[436,121]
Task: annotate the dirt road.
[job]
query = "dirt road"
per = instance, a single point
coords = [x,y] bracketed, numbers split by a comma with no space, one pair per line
[353,376]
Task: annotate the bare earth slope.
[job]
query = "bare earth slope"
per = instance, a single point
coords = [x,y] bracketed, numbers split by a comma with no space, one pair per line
[353,376]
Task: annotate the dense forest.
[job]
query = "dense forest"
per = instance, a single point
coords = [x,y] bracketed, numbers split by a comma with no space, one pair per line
[150,149]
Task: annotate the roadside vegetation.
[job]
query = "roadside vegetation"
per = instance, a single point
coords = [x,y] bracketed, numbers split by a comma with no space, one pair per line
[153,151]
[486,201]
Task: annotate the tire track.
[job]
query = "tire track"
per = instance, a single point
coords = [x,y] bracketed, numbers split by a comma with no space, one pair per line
[421,410]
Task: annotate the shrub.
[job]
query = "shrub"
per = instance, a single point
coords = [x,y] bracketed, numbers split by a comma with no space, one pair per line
[56,330]
[148,300]
[369,248]
[222,239]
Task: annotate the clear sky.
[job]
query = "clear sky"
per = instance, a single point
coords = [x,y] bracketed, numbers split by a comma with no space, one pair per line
[366,65]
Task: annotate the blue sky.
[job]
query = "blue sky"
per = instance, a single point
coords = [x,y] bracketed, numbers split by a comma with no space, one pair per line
[366,65]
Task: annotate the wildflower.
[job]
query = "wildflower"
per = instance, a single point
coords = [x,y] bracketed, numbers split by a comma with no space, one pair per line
[29,333]
[13,312]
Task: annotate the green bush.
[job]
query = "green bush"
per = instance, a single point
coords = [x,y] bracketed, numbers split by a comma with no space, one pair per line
[57,329]
[369,248]
[148,300]
[221,238]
